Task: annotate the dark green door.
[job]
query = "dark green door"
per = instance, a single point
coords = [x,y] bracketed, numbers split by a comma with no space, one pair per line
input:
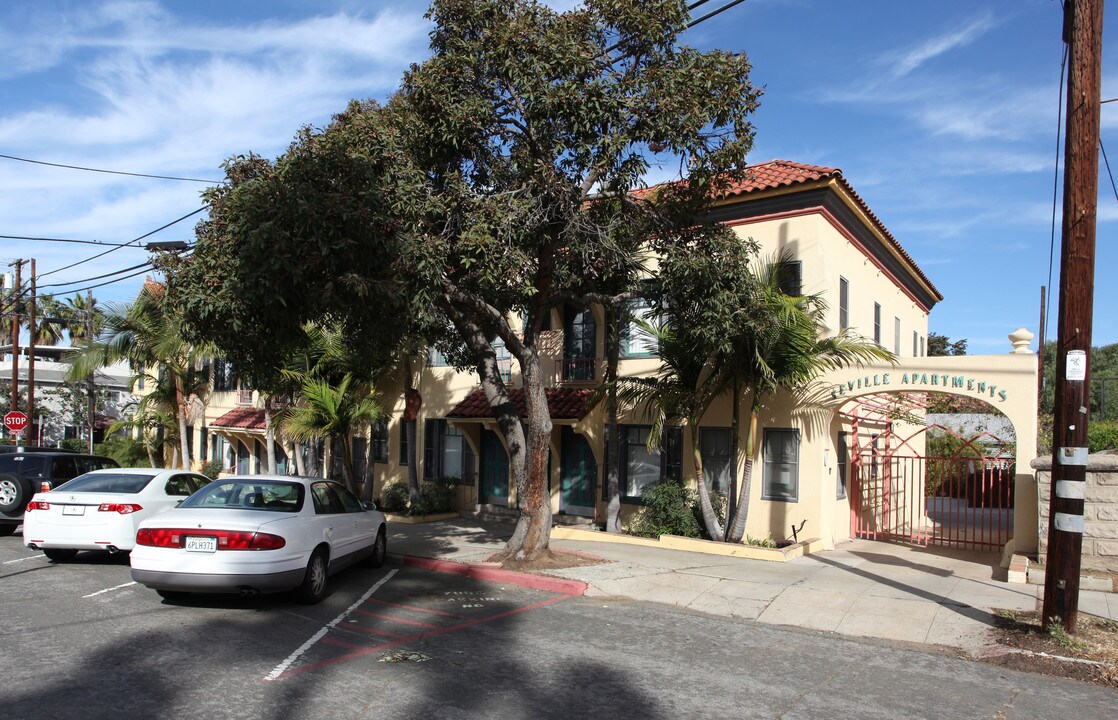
[578,475]
[493,488]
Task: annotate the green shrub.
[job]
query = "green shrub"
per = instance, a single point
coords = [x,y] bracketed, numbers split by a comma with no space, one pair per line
[437,496]
[212,469]
[126,451]
[394,498]
[668,510]
[74,444]
[1102,435]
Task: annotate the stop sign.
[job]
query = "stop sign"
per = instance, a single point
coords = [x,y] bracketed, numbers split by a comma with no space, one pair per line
[16,422]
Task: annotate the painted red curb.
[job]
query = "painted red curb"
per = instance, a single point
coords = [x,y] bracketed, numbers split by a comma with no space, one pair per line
[494,574]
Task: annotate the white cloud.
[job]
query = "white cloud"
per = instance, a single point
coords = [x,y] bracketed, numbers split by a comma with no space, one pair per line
[908,60]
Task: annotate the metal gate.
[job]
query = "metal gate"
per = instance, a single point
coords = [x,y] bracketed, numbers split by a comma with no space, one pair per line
[963,500]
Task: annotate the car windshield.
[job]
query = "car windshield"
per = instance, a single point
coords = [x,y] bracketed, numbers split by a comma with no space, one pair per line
[267,495]
[123,483]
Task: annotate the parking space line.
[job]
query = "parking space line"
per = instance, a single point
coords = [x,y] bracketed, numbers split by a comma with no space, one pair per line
[118,587]
[389,618]
[23,559]
[338,643]
[282,667]
[282,671]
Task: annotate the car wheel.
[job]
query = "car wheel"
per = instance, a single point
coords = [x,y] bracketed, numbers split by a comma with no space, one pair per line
[313,588]
[172,594]
[380,551]
[60,555]
[7,529]
[14,493]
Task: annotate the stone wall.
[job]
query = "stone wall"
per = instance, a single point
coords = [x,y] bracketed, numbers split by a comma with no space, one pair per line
[1100,541]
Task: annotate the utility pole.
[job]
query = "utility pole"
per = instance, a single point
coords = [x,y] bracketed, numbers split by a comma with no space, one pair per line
[15,301]
[1083,35]
[31,320]
[1040,348]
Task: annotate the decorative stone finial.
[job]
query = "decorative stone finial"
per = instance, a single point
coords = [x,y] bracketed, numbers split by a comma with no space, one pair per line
[1021,339]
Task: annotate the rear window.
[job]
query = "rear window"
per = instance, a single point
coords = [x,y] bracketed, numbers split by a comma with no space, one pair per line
[123,483]
[30,466]
[274,496]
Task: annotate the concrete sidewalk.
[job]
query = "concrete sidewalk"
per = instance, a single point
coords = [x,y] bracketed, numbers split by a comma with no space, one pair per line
[932,596]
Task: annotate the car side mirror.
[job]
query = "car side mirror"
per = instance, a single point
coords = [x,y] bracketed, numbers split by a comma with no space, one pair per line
[369,505]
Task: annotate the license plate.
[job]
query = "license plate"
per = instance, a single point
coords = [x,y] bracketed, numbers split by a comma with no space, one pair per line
[73,509]
[201,544]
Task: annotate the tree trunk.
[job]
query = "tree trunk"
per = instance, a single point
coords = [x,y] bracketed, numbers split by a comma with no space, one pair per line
[367,479]
[742,513]
[413,462]
[269,435]
[735,426]
[710,518]
[613,481]
[183,430]
[347,465]
[294,457]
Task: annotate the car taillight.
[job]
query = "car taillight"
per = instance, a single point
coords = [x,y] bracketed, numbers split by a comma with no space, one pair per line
[226,539]
[122,508]
[37,505]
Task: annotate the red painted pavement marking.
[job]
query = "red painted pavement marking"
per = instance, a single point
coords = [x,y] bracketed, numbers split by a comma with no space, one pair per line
[378,616]
[492,574]
[413,607]
[368,651]
[348,646]
[385,633]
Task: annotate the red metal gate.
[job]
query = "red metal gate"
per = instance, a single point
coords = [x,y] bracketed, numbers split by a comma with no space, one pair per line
[965,500]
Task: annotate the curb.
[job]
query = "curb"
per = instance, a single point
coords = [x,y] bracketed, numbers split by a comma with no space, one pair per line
[495,574]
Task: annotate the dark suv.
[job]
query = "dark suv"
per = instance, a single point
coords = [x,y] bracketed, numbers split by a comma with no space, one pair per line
[22,474]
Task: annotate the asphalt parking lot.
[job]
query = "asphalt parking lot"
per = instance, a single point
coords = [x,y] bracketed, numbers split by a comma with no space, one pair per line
[85,641]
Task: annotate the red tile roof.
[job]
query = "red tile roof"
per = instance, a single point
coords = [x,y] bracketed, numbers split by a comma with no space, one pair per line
[243,418]
[562,403]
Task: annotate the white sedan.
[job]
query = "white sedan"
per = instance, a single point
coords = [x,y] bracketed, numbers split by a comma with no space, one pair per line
[258,534]
[101,509]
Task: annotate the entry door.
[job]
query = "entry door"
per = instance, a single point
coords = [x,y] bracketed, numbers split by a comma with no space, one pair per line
[578,475]
[493,488]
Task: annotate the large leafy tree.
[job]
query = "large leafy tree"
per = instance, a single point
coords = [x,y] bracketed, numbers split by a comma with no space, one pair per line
[496,183]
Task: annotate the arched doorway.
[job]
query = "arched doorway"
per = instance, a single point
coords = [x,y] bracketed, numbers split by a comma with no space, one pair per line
[914,480]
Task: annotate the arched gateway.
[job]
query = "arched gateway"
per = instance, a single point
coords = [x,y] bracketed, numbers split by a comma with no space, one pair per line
[979,495]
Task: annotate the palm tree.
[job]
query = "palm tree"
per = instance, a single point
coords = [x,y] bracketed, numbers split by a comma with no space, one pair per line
[149,334]
[334,412]
[785,353]
[680,393]
[50,327]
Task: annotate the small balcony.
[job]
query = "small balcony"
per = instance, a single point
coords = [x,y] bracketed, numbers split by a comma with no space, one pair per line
[578,370]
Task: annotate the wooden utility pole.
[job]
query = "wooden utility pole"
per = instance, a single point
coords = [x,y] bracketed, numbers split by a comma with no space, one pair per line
[15,301]
[1083,34]
[91,390]
[31,320]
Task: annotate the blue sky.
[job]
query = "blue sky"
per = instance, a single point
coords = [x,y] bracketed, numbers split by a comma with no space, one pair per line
[942,115]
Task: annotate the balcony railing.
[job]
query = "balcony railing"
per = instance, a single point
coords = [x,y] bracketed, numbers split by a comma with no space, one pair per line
[576,370]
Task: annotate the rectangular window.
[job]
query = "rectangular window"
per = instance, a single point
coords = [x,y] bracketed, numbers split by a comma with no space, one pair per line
[638,466]
[915,338]
[714,448]
[380,441]
[636,340]
[405,460]
[844,303]
[897,336]
[782,464]
[435,358]
[877,323]
[921,347]
[843,452]
[504,359]
[224,376]
[204,444]
[791,278]
[446,452]
[671,446]
[358,459]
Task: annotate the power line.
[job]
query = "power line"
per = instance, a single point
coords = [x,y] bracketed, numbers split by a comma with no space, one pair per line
[110,172]
[712,13]
[110,282]
[130,242]
[63,240]
[1055,185]
[96,277]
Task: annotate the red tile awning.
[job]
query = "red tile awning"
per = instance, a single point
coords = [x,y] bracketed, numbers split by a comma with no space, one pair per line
[242,418]
[562,403]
